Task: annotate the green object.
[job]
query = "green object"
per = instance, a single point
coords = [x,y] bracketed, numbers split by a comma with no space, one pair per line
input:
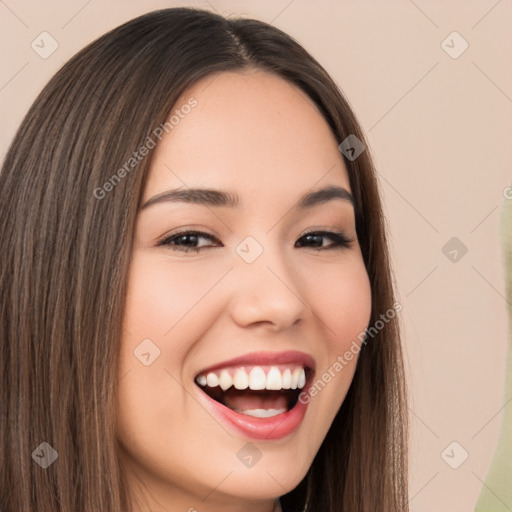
[496,494]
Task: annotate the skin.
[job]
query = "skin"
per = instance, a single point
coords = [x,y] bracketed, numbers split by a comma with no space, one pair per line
[257,135]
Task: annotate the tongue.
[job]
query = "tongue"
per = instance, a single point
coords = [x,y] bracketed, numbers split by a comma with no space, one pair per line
[243,401]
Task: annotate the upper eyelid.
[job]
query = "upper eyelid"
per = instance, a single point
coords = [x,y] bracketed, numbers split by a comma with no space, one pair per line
[197,231]
[188,231]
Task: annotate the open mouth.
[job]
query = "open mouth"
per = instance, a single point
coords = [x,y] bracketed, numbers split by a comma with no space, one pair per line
[258,391]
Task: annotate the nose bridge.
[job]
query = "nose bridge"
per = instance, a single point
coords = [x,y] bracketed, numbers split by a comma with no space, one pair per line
[267,287]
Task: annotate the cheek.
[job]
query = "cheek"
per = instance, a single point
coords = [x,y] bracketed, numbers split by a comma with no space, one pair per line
[155,298]
[342,300]
[162,296]
[164,313]
[156,301]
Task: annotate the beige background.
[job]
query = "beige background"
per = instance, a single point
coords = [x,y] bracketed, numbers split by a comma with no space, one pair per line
[439,129]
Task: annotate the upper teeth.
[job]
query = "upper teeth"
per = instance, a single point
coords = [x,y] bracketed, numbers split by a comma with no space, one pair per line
[256,378]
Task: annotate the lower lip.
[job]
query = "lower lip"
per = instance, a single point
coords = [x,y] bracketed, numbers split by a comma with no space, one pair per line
[270,429]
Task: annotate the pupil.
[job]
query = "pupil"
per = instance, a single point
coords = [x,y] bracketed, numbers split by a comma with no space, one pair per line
[191,238]
[312,237]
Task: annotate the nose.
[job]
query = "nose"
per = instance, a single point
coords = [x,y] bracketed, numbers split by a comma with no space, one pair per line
[267,292]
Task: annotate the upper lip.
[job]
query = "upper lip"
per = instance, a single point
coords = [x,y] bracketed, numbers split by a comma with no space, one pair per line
[265,359]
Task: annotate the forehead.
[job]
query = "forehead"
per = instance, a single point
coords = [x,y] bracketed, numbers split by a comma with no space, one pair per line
[248,130]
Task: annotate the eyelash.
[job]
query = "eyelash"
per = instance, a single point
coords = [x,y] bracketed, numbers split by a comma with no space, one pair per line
[339,239]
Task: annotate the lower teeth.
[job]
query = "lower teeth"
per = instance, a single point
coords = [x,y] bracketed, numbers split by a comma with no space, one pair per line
[261,413]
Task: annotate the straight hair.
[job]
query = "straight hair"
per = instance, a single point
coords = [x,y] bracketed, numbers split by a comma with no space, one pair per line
[65,256]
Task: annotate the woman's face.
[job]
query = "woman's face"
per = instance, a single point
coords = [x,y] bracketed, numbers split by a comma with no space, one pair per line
[252,307]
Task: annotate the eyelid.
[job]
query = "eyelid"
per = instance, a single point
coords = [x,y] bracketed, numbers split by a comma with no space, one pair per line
[339,239]
[185,231]
[328,230]
[343,239]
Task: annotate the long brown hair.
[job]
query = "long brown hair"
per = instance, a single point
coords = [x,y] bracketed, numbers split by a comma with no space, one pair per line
[65,255]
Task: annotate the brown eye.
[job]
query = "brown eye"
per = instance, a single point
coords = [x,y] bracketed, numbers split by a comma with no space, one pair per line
[315,240]
[186,241]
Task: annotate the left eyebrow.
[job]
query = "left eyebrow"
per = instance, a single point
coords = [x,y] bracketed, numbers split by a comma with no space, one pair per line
[212,197]
[322,196]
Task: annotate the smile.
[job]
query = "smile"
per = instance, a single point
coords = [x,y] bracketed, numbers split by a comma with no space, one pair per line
[261,399]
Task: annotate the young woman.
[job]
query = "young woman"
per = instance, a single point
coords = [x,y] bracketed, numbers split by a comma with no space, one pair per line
[196,297]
